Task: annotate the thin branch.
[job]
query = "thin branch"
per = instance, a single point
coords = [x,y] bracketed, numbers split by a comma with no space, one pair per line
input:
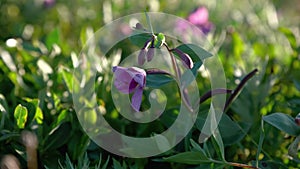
[211,93]
[241,165]
[239,88]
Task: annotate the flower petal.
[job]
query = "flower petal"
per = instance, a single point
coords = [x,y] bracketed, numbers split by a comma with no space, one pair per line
[199,17]
[136,99]
[124,81]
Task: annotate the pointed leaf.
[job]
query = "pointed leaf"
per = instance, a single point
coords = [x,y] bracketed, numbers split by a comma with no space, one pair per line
[20,115]
[189,158]
[157,80]
[195,52]
[283,122]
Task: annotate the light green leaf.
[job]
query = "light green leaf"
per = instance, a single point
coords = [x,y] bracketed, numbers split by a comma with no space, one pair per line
[290,36]
[68,77]
[20,115]
[52,38]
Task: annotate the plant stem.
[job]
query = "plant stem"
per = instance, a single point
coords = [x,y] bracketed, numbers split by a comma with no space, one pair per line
[178,77]
[241,165]
[239,88]
[213,92]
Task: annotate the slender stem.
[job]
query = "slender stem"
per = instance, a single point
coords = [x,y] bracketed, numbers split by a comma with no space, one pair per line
[239,88]
[211,93]
[149,23]
[233,164]
[178,76]
[241,165]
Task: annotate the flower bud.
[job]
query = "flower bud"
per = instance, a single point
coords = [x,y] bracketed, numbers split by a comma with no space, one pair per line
[142,56]
[185,58]
[139,26]
[297,119]
[150,54]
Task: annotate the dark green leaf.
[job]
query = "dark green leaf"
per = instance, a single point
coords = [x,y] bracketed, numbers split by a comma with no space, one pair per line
[195,52]
[260,143]
[283,122]
[140,39]
[225,125]
[189,158]
[297,84]
[270,165]
[58,136]
[157,80]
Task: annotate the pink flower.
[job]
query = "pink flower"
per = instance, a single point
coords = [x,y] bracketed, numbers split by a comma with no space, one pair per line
[49,3]
[131,80]
[200,18]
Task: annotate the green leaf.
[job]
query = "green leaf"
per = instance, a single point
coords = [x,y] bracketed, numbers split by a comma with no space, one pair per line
[283,122]
[117,164]
[20,115]
[297,84]
[290,36]
[157,80]
[68,77]
[197,147]
[140,39]
[269,165]
[261,140]
[39,117]
[52,38]
[218,139]
[58,136]
[238,44]
[225,125]
[189,158]
[195,52]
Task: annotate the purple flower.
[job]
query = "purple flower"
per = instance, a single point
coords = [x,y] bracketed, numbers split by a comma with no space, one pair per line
[131,80]
[200,18]
[49,3]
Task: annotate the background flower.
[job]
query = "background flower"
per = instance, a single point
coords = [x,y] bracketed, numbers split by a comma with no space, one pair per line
[200,18]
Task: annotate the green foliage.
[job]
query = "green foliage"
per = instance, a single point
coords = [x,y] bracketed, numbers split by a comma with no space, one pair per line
[36,84]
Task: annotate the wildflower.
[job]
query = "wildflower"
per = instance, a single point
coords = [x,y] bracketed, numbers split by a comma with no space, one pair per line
[200,19]
[131,80]
[49,3]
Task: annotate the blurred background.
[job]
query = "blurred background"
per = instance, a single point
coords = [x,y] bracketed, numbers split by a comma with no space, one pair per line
[39,40]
